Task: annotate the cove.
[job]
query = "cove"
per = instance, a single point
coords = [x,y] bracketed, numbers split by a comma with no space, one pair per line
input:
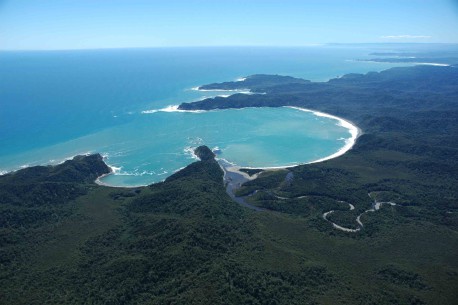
[163,141]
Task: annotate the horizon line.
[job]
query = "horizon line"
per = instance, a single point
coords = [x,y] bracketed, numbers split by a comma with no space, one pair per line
[225,46]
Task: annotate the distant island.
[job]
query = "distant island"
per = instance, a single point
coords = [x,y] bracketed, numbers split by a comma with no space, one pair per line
[377,225]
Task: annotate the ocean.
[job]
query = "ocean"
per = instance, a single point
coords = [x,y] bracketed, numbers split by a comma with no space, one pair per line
[120,103]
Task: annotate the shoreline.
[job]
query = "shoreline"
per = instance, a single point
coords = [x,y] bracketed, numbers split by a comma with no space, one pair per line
[245,91]
[354,130]
[99,182]
[413,63]
[49,163]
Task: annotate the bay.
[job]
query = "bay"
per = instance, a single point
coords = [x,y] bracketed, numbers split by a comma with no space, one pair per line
[57,104]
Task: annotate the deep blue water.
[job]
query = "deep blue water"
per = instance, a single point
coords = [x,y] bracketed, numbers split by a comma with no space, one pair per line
[56,104]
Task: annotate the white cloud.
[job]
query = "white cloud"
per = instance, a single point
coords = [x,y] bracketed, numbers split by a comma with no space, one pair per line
[405,37]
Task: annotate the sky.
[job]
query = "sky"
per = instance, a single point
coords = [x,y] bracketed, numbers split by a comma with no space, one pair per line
[93,24]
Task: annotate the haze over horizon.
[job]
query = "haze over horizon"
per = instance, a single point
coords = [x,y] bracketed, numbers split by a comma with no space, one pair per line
[54,25]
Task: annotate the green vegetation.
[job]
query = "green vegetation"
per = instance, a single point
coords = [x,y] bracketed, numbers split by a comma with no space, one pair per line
[66,240]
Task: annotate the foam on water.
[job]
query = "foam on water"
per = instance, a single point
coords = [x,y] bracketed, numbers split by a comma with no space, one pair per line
[432,64]
[189,151]
[171,108]
[241,91]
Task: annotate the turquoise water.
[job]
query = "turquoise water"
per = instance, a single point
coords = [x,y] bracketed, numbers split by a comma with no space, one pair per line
[58,104]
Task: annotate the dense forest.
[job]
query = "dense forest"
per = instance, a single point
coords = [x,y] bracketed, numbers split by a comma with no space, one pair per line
[66,240]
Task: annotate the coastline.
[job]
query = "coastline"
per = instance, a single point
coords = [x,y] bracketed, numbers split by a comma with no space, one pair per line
[113,170]
[99,182]
[413,63]
[49,163]
[243,91]
[354,130]
[171,108]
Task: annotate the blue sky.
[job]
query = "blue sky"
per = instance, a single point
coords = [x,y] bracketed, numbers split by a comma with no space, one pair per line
[86,24]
